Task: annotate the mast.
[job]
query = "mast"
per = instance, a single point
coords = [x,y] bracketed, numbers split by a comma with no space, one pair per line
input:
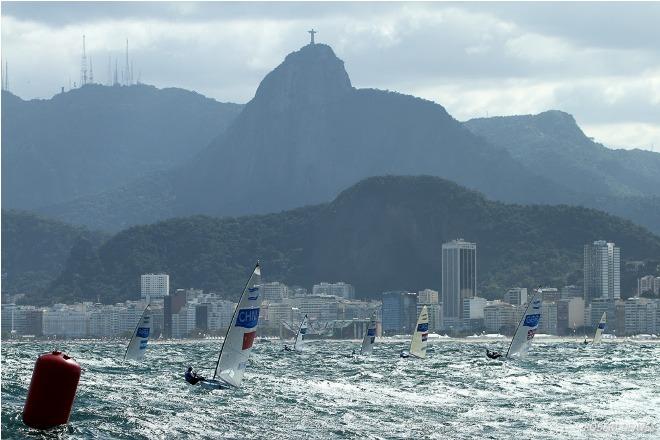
[233,317]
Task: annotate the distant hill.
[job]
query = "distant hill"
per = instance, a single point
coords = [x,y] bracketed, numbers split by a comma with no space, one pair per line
[553,144]
[35,249]
[383,233]
[96,138]
[306,135]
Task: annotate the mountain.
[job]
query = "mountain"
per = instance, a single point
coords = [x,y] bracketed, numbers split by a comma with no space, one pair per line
[95,138]
[384,233]
[552,143]
[623,182]
[35,250]
[305,136]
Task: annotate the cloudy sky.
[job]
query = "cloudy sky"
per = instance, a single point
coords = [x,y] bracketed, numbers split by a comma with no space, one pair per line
[597,61]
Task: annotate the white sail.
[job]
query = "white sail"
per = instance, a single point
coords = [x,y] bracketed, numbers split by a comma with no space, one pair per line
[241,333]
[526,329]
[299,344]
[138,343]
[419,340]
[369,337]
[600,329]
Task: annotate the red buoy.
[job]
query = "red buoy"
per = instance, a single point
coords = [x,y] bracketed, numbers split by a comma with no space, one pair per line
[52,390]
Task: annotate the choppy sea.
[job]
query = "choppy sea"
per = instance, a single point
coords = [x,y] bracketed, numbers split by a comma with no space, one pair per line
[561,390]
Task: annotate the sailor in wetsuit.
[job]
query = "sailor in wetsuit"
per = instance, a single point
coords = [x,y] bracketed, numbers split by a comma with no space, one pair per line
[287,348]
[192,377]
[493,354]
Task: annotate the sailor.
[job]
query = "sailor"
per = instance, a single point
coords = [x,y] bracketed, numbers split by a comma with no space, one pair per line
[404,354]
[493,354]
[287,348]
[192,377]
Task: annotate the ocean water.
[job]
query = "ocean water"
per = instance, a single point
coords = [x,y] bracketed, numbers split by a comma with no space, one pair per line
[561,390]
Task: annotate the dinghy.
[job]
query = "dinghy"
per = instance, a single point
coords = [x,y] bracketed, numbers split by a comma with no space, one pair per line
[419,340]
[369,337]
[138,343]
[529,323]
[299,342]
[239,339]
[600,329]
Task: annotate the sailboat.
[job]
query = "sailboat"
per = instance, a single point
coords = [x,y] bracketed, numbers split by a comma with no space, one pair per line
[600,329]
[369,337]
[138,343]
[419,340]
[529,323]
[240,336]
[299,341]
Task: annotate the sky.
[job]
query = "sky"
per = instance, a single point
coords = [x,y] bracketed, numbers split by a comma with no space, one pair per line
[598,61]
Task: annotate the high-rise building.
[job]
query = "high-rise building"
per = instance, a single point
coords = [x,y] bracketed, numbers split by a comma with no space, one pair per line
[154,285]
[459,277]
[399,312]
[602,271]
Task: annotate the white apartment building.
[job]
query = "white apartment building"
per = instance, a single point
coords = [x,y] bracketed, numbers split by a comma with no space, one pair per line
[548,322]
[274,291]
[516,296]
[340,289]
[428,296]
[154,285]
[498,314]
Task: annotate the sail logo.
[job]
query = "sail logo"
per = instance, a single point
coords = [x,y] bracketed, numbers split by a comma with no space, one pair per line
[253,293]
[536,304]
[142,332]
[601,326]
[425,337]
[248,340]
[423,327]
[143,344]
[371,332]
[303,330]
[530,334]
[247,318]
[532,320]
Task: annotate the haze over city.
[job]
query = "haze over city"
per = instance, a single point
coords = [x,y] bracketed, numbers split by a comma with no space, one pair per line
[476,59]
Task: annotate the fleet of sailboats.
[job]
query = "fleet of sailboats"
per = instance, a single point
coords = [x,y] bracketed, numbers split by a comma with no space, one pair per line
[239,339]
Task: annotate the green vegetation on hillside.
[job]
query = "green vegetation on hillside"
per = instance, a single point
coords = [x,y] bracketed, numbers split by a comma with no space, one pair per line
[384,233]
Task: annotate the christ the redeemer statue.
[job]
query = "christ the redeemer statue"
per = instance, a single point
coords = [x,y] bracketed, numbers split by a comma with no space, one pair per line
[312,32]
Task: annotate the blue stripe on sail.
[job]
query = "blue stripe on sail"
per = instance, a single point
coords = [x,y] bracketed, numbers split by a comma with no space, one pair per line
[142,332]
[601,326]
[371,332]
[303,331]
[532,320]
[423,327]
